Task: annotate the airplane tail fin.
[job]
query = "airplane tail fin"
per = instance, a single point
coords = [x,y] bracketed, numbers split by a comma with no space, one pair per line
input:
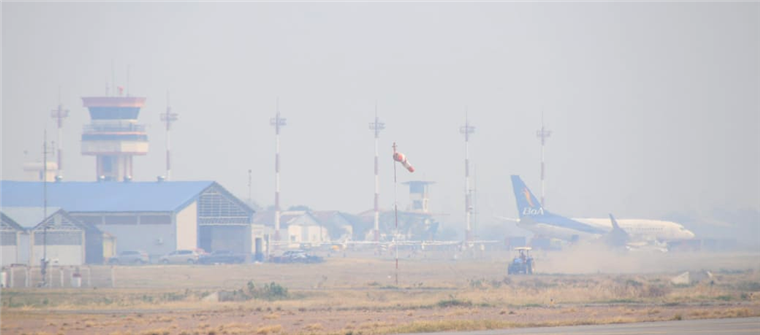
[617,236]
[615,225]
[527,204]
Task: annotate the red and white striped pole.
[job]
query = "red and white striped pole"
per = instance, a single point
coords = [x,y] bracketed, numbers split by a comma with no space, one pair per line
[59,114]
[377,126]
[278,123]
[467,129]
[542,134]
[168,118]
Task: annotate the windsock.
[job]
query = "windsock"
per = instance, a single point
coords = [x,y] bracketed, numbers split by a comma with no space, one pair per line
[399,157]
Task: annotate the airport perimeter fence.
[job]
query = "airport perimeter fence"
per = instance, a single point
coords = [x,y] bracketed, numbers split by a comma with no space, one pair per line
[58,277]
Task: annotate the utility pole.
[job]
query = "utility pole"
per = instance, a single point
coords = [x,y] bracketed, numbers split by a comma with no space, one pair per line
[542,134]
[250,183]
[467,129]
[168,117]
[278,122]
[377,126]
[44,263]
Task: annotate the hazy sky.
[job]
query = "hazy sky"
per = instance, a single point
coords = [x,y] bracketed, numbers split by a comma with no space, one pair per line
[655,108]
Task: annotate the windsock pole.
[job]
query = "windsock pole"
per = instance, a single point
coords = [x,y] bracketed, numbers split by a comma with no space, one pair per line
[398,157]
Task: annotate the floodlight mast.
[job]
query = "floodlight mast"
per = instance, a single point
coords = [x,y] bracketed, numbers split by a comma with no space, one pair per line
[467,129]
[169,118]
[59,114]
[278,122]
[377,126]
[543,134]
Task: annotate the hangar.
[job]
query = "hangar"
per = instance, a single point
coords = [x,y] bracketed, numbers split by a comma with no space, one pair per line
[30,233]
[156,217]
[10,238]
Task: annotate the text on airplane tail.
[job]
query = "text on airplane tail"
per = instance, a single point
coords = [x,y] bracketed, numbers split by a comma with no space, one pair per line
[533,211]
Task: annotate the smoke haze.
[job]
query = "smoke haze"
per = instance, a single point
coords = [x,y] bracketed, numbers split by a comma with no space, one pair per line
[655,108]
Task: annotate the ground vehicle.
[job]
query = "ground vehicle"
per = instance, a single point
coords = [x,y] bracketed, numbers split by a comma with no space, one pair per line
[221,256]
[180,257]
[296,256]
[130,257]
[523,263]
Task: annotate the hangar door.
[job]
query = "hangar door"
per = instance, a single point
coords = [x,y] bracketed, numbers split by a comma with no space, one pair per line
[223,222]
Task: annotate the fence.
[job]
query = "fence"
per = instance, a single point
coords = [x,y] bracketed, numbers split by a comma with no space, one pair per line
[58,276]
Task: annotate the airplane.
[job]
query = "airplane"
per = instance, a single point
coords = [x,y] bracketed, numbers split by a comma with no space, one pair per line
[631,233]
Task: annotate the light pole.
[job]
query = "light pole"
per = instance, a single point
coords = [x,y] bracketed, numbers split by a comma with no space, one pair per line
[542,134]
[59,114]
[278,122]
[377,126]
[467,129]
[168,117]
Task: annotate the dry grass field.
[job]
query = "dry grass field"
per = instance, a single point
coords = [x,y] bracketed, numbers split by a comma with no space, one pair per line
[358,295]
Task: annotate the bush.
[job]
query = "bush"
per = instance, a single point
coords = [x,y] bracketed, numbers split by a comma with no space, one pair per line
[453,303]
[271,291]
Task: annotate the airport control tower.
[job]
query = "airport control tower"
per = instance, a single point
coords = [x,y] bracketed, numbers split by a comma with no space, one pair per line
[114,136]
[418,193]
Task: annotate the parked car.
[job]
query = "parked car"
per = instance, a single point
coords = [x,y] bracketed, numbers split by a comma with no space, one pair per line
[296,256]
[221,256]
[180,257]
[130,257]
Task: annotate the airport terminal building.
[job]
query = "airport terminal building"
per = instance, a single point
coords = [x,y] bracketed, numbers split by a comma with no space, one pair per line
[156,217]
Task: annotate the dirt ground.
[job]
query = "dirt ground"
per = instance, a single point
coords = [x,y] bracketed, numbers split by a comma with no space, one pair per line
[359,295]
[286,321]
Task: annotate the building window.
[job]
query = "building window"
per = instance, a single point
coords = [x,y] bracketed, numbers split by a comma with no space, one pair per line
[121,220]
[58,238]
[155,219]
[213,203]
[89,219]
[7,238]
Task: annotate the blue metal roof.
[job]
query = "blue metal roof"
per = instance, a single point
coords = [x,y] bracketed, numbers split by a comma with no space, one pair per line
[167,196]
[28,217]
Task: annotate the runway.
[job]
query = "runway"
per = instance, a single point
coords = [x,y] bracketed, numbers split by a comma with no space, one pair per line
[687,327]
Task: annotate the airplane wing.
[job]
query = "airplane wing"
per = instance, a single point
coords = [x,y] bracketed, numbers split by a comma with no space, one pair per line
[618,237]
[506,219]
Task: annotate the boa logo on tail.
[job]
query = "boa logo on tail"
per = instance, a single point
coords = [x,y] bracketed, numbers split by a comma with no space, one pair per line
[533,211]
[527,197]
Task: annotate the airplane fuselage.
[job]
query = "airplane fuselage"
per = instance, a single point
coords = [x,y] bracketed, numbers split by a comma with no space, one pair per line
[637,229]
[534,217]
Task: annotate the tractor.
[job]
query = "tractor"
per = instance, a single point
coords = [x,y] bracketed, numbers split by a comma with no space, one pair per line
[523,263]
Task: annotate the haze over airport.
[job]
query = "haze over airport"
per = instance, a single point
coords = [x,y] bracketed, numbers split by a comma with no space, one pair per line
[655,108]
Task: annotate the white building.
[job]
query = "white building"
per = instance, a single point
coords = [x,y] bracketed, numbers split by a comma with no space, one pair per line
[30,236]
